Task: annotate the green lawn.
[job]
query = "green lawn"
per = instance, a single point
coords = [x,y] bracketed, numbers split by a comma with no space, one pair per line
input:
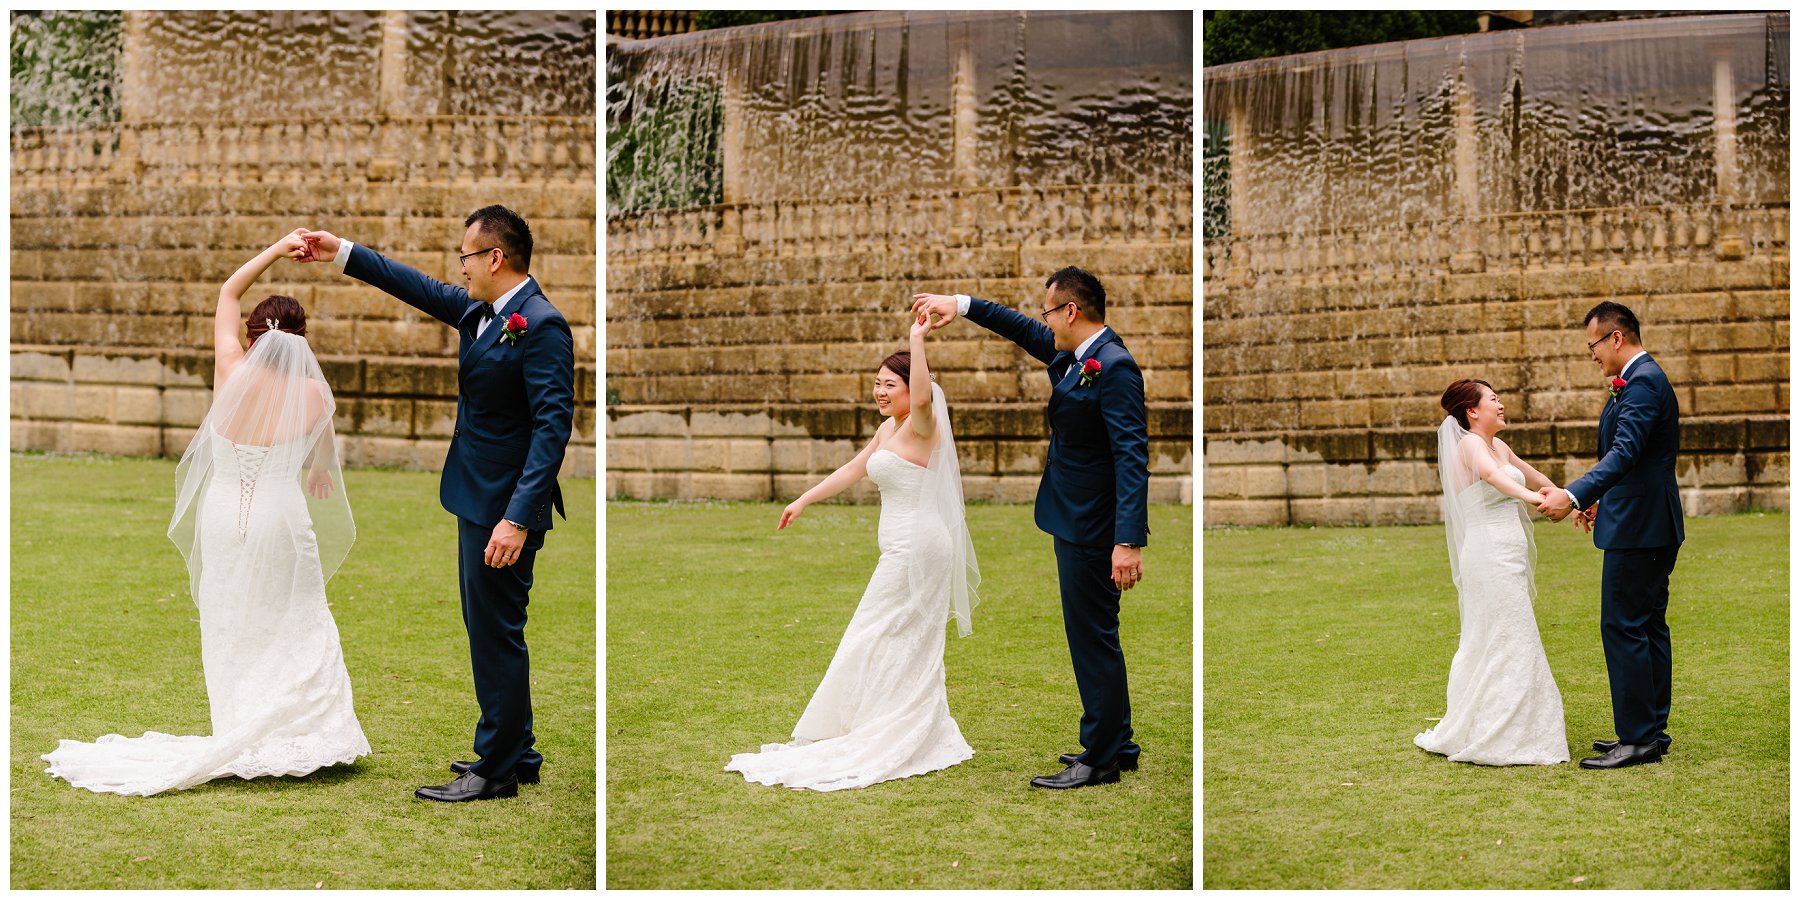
[1326,650]
[718,628]
[105,639]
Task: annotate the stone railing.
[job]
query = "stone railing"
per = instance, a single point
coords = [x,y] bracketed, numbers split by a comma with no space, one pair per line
[447,149]
[1074,214]
[1503,243]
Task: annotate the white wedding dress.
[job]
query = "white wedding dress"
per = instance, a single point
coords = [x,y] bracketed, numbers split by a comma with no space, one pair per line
[1503,708]
[275,677]
[881,711]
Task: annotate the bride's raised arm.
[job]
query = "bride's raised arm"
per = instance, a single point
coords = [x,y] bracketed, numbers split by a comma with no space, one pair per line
[922,422]
[847,474]
[229,317]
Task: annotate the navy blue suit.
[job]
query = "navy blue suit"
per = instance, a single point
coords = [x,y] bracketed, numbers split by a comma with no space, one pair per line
[1094,494]
[1638,524]
[515,408]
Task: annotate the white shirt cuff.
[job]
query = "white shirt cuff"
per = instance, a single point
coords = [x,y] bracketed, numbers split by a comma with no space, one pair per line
[962,304]
[1576,504]
[343,255]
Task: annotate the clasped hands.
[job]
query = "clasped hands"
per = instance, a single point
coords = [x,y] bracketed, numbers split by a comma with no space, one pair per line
[1554,503]
[301,245]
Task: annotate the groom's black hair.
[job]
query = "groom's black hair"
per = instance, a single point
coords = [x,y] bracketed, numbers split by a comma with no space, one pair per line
[1615,315]
[509,231]
[1077,285]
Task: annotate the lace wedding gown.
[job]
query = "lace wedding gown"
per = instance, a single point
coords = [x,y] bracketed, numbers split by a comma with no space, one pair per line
[1503,707]
[881,712]
[275,675]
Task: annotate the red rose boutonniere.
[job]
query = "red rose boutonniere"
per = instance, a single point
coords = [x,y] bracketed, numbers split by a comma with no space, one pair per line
[515,328]
[1618,384]
[1089,371]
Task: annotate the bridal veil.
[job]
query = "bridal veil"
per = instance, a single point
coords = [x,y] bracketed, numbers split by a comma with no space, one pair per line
[277,402]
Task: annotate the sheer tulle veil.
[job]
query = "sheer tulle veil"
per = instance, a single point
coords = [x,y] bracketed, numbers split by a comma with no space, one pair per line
[943,497]
[276,400]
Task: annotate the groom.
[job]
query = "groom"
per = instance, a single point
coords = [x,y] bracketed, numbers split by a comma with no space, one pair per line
[1092,500]
[514,410]
[1635,509]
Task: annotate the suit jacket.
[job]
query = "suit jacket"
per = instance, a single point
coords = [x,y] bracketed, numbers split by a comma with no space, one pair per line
[1096,484]
[1634,482]
[515,402]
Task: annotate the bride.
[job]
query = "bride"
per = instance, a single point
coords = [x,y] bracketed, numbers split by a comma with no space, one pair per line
[261,517]
[881,712]
[1503,707]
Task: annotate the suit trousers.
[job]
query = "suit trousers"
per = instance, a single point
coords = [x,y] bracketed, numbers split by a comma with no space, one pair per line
[1634,600]
[1091,621]
[493,605]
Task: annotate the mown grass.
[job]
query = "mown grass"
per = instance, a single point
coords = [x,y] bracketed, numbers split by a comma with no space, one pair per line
[718,628]
[105,639]
[1326,650]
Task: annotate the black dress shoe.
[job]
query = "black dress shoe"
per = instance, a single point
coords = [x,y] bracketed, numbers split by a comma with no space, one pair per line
[1125,765]
[1604,746]
[1078,775]
[1622,755]
[525,776]
[470,786]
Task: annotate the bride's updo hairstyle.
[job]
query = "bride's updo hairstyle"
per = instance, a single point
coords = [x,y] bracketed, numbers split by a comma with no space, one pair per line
[1462,394]
[900,364]
[285,312]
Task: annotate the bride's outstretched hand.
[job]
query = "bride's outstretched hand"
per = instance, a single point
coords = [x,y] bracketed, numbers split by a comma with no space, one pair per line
[939,309]
[921,325]
[792,512]
[318,483]
[294,247]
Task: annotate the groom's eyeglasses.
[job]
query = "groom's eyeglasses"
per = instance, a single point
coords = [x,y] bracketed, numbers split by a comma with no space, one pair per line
[1045,315]
[1601,338]
[464,259]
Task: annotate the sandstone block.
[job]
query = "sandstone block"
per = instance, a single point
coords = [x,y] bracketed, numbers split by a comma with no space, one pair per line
[1741,398]
[43,400]
[1332,511]
[53,437]
[122,440]
[646,422]
[1405,510]
[789,455]
[1306,481]
[41,366]
[731,487]
[1732,336]
[437,418]
[671,454]
[1220,513]
[730,424]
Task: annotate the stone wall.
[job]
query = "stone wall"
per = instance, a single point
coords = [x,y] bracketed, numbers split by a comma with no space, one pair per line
[1325,356]
[122,234]
[740,358]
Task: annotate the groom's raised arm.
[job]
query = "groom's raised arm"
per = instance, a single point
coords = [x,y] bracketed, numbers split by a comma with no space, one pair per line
[443,302]
[1035,337]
